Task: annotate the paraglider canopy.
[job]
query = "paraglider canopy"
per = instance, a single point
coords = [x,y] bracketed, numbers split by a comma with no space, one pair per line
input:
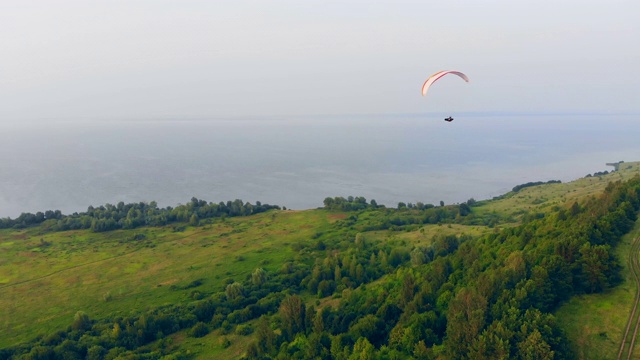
[435,77]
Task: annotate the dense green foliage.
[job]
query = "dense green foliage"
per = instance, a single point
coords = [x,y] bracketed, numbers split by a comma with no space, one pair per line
[347,295]
[405,214]
[598,173]
[533,183]
[129,216]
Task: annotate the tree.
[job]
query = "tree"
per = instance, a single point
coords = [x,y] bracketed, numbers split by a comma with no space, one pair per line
[292,313]
[360,241]
[535,348]
[575,209]
[324,288]
[418,257]
[595,265]
[193,221]
[360,274]
[337,274]
[369,327]
[420,351]
[408,289]
[96,352]
[339,350]
[259,276]
[81,321]
[234,290]
[315,347]
[465,320]
[363,350]
[397,257]
[41,352]
[384,261]
[515,267]
[493,343]
[265,336]
[464,209]
[199,330]
[318,321]
[328,202]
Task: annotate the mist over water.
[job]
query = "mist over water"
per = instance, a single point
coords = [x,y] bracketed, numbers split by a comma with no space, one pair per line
[298,161]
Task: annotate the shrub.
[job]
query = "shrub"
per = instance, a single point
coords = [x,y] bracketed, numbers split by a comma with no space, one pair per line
[199,330]
[244,329]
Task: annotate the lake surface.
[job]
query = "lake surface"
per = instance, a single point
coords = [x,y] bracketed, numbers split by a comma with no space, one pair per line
[298,161]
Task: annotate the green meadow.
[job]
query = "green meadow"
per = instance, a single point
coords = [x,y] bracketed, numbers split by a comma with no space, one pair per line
[47,277]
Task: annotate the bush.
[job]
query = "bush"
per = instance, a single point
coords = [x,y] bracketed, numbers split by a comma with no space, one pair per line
[81,321]
[216,320]
[199,330]
[244,330]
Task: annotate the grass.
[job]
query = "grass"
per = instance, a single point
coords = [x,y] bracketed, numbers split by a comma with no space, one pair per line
[425,234]
[211,346]
[543,198]
[108,274]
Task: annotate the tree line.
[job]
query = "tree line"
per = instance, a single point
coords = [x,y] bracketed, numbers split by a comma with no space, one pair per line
[533,183]
[129,216]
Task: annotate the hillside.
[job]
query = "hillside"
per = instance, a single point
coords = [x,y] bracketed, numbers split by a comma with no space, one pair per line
[351,279]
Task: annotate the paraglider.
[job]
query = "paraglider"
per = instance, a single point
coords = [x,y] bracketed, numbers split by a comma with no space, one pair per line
[435,77]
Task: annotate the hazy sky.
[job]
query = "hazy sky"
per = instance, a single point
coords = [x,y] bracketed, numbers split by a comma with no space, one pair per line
[158,58]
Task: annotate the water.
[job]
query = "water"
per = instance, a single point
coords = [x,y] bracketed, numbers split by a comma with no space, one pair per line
[298,161]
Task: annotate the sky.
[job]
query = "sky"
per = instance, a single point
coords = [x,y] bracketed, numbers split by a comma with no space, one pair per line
[132,59]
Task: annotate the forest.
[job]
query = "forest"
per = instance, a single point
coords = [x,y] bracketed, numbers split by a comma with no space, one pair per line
[347,294]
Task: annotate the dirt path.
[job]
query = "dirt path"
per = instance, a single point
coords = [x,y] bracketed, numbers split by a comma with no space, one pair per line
[633,322]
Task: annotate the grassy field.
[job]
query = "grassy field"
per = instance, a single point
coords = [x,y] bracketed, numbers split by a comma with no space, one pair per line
[545,197]
[45,278]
